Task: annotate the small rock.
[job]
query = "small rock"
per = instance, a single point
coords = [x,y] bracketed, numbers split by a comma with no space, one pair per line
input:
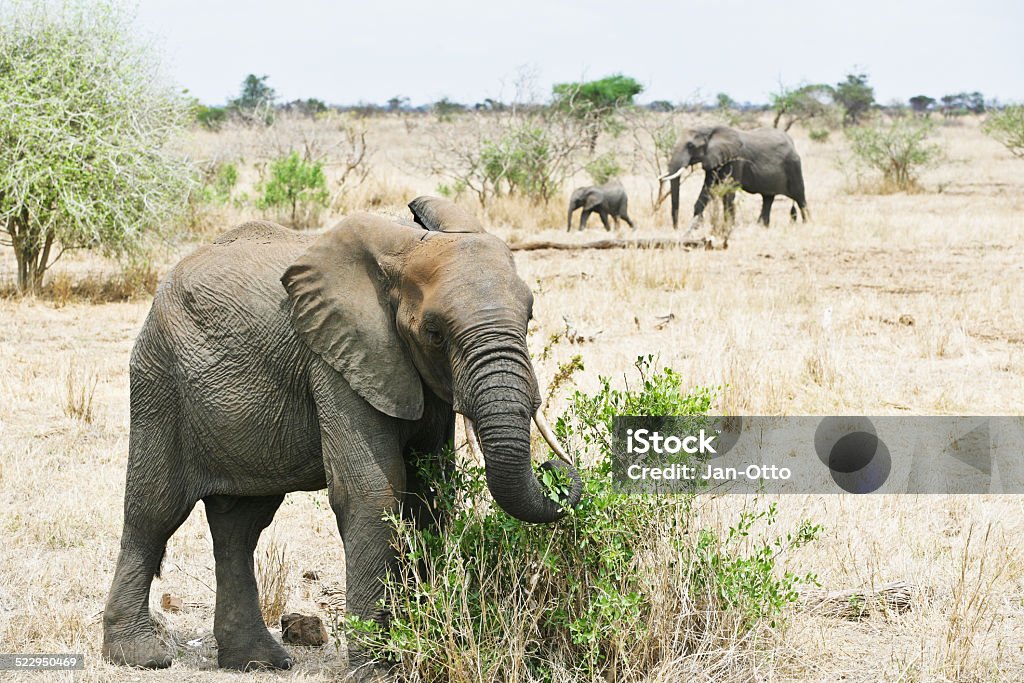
[311,575]
[171,603]
[298,629]
[907,319]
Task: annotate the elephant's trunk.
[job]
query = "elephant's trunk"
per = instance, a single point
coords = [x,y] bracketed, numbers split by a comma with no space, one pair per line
[568,220]
[502,405]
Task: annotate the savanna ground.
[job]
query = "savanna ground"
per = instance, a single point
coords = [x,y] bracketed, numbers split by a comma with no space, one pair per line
[884,304]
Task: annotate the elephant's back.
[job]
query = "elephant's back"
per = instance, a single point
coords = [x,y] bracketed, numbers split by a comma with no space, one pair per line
[773,141]
[242,267]
[229,291]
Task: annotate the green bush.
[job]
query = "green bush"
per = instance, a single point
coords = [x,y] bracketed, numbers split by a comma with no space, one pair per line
[603,168]
[898,150]
[818,134]
[522,162]
[1007,126]
[210,118]
[296,186]
[622,586]
[218,183]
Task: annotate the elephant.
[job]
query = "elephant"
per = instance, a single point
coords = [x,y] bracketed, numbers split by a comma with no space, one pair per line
[762,161]
[273,361]
[607,200]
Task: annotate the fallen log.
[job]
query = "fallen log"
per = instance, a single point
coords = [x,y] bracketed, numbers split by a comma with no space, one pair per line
[650,243]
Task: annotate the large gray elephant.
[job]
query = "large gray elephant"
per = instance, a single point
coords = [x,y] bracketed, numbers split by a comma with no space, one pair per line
[607,200]
[274,361]
[762,161]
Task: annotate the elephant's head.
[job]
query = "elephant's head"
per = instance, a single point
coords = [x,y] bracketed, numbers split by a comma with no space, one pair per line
[400,308]
[709,147]
[579,198]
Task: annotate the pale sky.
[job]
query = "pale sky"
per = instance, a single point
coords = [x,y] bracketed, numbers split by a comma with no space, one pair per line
[346,52]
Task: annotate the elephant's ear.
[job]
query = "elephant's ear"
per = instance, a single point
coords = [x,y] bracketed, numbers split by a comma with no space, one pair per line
[341,308]
[437,214]
[723,146]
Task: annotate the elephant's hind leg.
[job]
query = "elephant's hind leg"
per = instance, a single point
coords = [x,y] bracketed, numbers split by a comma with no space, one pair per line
[155,505]
[243,641]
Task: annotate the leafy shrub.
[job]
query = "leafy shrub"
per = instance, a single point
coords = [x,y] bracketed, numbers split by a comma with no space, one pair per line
[623,585]
[818,134]
[603,168]
[898,150]
[218,182]
[210,118]
[521,160]
[296,186]
[1007,126]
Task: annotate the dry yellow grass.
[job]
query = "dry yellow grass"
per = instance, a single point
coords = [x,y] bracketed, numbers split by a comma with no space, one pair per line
[883,304]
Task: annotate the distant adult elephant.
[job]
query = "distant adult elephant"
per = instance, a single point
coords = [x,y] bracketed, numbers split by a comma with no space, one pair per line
[275,361]
[607,200]
[762,161]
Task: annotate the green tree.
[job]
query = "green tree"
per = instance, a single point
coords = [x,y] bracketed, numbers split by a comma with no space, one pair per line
[85,123]
[961,104]
[295,185]
[596,102]
[855,96]
[723,101]
[445,109]
[1007,126]
[801,104]
[921,104]
[398,103]
[256,99]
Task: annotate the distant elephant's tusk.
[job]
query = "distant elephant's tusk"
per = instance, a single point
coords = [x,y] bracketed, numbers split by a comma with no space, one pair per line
[471,440]
[549,436]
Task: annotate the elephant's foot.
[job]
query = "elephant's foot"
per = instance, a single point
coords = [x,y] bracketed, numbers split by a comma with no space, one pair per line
[261,652]
[145,651]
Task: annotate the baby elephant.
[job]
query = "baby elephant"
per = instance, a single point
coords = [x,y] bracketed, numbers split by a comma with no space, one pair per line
[608,199]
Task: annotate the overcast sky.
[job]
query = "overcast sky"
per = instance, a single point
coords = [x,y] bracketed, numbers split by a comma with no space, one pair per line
[347,52]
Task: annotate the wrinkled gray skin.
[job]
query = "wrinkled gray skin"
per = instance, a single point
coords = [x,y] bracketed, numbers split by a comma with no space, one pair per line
[607,200]
[274,361]
[762,161]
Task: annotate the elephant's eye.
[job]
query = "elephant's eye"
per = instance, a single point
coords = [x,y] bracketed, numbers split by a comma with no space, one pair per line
[434,334]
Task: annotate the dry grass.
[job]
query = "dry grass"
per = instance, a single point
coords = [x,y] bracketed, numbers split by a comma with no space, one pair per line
[925,316]
[272,580]
[80,386]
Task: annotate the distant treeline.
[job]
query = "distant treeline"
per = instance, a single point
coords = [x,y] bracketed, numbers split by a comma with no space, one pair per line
[257,100]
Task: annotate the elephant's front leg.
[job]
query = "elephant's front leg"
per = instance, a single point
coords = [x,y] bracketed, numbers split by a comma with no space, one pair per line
[366,480]
[584,215]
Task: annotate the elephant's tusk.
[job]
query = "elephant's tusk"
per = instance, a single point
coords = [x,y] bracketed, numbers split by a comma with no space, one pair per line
[664,178]
[471,440]
[549,436]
